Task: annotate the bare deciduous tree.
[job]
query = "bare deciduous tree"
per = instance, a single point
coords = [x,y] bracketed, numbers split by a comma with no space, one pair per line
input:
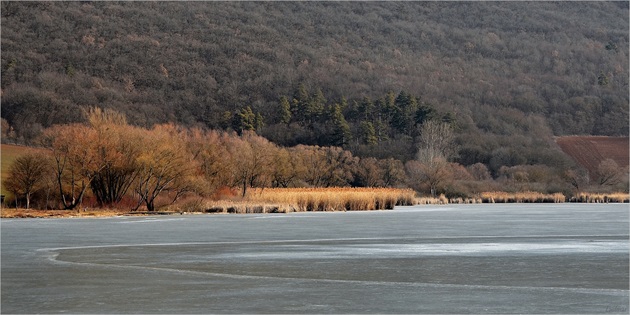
[431,176]
[26,176]
[436,141]
[75,160]
[163,165]
[609,173]
[253,157]
[435,148]
[117,148]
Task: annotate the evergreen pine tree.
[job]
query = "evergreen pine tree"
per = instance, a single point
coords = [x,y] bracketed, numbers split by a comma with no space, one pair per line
[368,133]
[341,130]
[285,110]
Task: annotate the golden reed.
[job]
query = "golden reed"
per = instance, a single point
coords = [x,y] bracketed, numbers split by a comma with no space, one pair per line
[521,197]
[601,198]
[283,200]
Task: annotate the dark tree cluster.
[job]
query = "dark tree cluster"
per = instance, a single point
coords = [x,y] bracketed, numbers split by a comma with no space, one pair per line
[366,127]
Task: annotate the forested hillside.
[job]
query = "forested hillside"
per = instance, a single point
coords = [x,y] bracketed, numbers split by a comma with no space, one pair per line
[362,75]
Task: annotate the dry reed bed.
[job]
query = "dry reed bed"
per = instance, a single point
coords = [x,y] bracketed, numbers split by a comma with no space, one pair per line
[284,200]
[443,200]
[243,206]
[601,198]
[336,199]
[527,197]
[521,197]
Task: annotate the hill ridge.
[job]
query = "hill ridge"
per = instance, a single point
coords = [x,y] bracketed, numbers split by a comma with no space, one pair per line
[511,74]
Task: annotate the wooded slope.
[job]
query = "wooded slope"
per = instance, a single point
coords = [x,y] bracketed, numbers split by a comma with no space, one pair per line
[512,74]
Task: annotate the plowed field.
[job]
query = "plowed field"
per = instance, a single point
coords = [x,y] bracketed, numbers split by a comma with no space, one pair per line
[589,151]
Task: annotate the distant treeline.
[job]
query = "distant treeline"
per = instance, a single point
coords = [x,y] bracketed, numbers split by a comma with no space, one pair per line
[119,165]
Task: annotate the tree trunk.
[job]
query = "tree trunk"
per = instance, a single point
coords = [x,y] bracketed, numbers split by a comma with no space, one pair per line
[47,194]
[76,201]
[150,206]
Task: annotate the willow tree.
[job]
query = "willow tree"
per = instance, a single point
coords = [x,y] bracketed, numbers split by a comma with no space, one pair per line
[163,165]
[117,148]
[74,160]
[252,158]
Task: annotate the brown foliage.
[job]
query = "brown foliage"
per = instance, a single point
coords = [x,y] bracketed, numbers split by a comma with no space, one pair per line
[164,164]
[429,176]
[75,160]
[27,175]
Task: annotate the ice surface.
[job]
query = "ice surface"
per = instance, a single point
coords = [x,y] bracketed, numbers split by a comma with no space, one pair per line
[429,259]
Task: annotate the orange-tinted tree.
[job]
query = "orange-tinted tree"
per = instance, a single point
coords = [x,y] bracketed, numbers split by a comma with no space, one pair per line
[75,160]
[117,148]
[285,168]
[27,176]
[163,165]
[253,159]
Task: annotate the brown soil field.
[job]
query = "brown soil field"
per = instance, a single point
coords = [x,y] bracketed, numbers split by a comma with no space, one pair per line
[590,151]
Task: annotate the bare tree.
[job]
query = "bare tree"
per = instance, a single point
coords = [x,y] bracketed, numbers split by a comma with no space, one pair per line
[284,169]
[75,161]
[393,172]
[435,148]
[431,176]
[117,148]
[369,173]
[578,178]
[479,172]
[163,165]
[27,176]
[609,173]
[436,141]
[253,160]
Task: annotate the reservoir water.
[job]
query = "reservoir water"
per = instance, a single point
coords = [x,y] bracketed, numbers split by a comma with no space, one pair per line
[471,259]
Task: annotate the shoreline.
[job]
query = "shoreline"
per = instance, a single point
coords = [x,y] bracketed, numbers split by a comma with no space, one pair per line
[22,213]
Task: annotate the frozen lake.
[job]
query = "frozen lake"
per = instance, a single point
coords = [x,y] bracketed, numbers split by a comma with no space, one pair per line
[514,258]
